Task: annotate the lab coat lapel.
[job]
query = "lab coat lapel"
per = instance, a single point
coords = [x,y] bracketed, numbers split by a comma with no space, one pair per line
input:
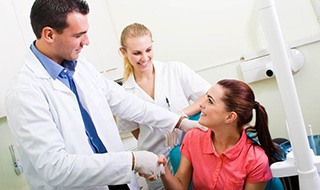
[160,90]
[134,88]
[38,69]
[98,108]
[35,66]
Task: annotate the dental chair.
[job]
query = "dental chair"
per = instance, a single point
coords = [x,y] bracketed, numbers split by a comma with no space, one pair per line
[292,182]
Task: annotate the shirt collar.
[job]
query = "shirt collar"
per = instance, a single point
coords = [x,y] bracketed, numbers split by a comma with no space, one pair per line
[53,68]
[130,83]
[232,153]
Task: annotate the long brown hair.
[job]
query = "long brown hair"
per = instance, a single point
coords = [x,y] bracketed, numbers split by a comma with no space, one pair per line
[239,97]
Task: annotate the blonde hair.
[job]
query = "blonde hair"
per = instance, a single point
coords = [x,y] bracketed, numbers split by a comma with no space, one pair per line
[131,31]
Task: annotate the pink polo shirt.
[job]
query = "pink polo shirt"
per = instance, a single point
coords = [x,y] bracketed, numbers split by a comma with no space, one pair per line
[245,162]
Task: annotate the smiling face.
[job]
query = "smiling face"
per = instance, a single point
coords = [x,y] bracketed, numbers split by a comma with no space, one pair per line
[68,44]
[139,52]
[213,110]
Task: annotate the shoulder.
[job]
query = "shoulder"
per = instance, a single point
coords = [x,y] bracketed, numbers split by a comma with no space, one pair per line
[250,151]
[196,142]
[84,64]
[257,166]
[255,150]
[129,84]
[174,68]
[256,157]
[196,135]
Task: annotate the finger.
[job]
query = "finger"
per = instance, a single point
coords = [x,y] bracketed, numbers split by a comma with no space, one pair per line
[151,178]
[203,128]
[175,139]
[161,159]
[161,168]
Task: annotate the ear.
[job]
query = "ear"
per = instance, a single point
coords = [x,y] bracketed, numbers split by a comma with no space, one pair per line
[123,52]
[231,117]
[48,34]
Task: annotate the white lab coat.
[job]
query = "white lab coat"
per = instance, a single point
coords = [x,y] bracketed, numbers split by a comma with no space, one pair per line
[175,82]
[45,120]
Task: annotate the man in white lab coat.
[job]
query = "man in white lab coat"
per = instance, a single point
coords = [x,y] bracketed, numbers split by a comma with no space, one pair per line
[46,114]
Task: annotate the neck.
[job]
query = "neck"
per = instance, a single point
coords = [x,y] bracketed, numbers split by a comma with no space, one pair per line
[146,81]
[43,48]
[147,75]
[224,140]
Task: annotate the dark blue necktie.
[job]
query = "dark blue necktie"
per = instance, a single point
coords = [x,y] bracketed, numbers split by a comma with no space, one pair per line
[91,132]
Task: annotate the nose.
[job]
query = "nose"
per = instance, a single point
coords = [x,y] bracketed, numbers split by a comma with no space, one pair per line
[144,57]
[85,40]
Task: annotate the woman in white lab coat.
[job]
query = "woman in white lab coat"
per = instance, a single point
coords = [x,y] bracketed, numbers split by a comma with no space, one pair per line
[171,85]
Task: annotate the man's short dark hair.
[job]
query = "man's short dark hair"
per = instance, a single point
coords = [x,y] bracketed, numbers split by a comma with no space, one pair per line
[53,13]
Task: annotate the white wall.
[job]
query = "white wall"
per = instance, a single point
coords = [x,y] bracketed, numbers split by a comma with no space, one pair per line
[267,92]
[210,32]
[17,35]
[208,35]
[211,36]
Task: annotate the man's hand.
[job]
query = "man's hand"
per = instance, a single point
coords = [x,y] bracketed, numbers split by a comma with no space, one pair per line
[187,124]
[146,164]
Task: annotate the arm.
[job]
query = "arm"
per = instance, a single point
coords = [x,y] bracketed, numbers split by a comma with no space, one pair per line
[130,107]
[126,126]
[182,178]
[194,88]
[195,107]
[43,149]
[255,186]
[135,132]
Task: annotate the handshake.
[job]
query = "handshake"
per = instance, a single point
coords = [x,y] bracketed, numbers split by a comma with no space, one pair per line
[147,164]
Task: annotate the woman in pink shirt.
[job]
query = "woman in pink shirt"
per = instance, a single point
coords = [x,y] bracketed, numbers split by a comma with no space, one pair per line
[224,157]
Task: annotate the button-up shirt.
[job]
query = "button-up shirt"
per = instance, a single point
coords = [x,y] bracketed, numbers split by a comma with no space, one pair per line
[244,162]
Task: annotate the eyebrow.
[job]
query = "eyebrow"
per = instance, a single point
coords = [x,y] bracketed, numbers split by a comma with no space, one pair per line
[80,33]
[210,97]
[138,51]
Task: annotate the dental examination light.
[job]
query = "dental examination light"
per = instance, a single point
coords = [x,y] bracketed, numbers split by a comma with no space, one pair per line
[262,67]
[303,162]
